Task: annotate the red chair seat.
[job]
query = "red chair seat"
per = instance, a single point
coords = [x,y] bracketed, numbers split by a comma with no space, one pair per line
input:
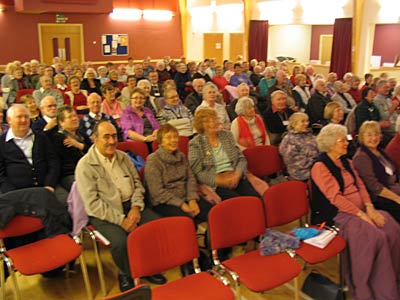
[193,288]
[315,255]
[260,273]
[44,255]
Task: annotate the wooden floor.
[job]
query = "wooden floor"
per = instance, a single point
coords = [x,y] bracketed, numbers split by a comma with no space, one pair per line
[39,288]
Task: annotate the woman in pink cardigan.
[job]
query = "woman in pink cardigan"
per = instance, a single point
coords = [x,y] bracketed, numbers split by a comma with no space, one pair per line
[110,105]
[372,236]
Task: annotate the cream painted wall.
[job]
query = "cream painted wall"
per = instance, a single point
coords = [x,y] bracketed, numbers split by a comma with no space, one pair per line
[290,40]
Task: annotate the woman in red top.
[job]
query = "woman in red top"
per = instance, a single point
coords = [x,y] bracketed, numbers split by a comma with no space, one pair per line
[76,97]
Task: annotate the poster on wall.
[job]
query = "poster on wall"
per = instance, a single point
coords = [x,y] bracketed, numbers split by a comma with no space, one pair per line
[114,44]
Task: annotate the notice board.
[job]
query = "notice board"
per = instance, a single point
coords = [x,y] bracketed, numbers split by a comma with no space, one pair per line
[114,44]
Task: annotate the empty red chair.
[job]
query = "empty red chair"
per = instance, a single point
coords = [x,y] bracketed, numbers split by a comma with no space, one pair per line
[183,145]
[168,243]
[40,256]
[287,202]
[263,160]
[138,148]
[239,220]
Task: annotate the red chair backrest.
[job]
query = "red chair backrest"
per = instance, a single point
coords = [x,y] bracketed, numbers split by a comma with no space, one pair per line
[22,92]
[235,221]
[183,145]
[138,148]
[21,225]
[263,160]
[161,245]
[285,202]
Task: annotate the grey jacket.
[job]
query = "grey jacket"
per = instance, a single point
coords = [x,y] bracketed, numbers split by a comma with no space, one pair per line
[100,196]
[202,160]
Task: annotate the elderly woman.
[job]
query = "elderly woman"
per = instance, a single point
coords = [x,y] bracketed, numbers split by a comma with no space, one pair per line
[138,123]
[210,92]
[342,97]
[176,114]
[69,144]
[377,170]
[183,80]
[215,159]
[301,92]
[372,236]
[110,105]
[113,80]
[333,113]
[126,92]
[76,97]
[170,181]
[6,81]
[3,127]
[150,103]
[299,148]
[30,104]
[61,83]
[248,128]
[90,83]
[266,82]
[102,72]
[18,82]
[277,116]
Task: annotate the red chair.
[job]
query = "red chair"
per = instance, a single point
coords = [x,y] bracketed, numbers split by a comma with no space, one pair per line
[239,220]
[286,202]
[167,243]
[22,92]
[183,145]
[263,160]
[142,292]
[40,256]
[139,148]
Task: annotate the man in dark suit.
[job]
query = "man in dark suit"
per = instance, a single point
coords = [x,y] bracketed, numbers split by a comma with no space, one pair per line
[27,158]
[47,123]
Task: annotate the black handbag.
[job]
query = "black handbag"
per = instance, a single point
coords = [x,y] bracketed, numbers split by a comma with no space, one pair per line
[320,287]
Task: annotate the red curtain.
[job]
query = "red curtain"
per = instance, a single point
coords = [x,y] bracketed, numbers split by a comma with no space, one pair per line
[258,40]
[341,47]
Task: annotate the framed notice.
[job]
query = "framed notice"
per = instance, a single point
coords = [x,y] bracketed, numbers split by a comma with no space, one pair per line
[114,44]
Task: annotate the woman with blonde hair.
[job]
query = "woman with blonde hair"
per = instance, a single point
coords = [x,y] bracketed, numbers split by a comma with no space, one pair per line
[333,113]
[298,147]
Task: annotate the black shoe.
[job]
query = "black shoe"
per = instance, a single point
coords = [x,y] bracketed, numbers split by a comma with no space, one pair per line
[187,269]
[156,279]
[125,282]
[53,273]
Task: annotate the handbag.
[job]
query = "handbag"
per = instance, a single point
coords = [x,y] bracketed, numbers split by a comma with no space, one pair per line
[320,287]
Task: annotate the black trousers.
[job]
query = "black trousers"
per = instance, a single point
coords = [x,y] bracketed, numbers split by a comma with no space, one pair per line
[244,188]
[388,205]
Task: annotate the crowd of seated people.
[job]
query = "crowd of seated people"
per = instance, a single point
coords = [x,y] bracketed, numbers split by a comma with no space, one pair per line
[67,129]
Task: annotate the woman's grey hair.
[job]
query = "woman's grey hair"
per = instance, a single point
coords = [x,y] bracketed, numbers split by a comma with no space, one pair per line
[242,105]
[143,82]
[337,85]
[88,71]
[295,118]
[207,86]
[328,136]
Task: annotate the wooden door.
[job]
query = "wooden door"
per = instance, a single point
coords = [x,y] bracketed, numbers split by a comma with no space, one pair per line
[236,45]
[213,46]
[63,40]
[325,48]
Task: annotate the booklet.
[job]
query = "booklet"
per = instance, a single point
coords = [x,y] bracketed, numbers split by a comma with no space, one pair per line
[322,239]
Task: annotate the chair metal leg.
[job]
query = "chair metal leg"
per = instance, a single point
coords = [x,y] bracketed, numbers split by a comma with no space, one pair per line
[11,271]
[342,283]
[100,270]
[296,288]
[2,279]
[85,275]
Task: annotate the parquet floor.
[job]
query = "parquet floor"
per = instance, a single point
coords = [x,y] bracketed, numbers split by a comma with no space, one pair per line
[39,288]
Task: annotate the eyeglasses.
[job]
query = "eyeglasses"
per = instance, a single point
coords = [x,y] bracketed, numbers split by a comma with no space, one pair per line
[51,105]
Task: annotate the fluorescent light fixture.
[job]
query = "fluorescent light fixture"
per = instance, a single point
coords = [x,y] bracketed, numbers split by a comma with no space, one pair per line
[157,15]
[126,14]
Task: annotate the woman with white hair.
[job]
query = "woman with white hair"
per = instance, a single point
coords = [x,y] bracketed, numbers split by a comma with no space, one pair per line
[342,97]
[266,82]
[210,92]
[150,103]
[299,148]
[90,83]
[102,71]
[248,128]
[340,197]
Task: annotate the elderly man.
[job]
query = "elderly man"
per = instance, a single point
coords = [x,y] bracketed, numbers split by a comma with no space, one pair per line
[139,75]
[202,72]
[387,108]
[27,158]
[46,89]
[318,101]
[88,122]
[243,91]
[276,118]
[282,85]
[156,87]
[113,196]
[47,123]
[194,99]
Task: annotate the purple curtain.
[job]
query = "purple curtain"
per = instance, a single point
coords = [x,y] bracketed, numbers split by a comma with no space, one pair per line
[258,40]
[341,47]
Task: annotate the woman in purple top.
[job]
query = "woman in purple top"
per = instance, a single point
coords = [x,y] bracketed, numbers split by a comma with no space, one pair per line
[138,123]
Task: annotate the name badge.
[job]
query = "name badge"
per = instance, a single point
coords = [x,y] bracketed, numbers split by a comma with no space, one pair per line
[388,171]
[157,94]
[349,137]
[116,116]
[285,122]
